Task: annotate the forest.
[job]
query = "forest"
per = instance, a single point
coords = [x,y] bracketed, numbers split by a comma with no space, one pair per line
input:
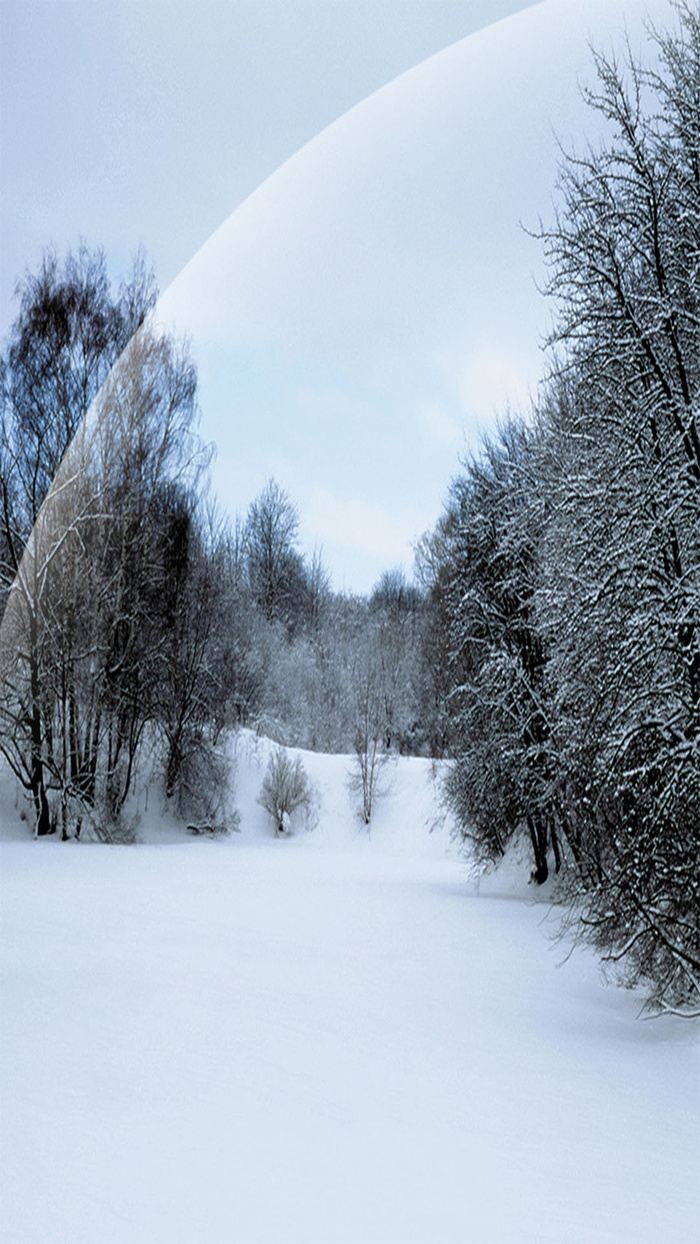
[548,645]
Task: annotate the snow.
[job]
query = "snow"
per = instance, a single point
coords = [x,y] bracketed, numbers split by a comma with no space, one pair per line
[336,1036]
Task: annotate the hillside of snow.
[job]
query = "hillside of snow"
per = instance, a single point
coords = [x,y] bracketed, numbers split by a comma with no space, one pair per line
[336,1036]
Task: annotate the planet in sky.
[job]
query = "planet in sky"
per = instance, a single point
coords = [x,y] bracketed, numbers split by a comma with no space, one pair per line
[375,306]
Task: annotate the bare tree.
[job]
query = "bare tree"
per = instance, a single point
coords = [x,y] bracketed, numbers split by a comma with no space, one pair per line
[369,727]
[84,621]
[68,333]
[270,537]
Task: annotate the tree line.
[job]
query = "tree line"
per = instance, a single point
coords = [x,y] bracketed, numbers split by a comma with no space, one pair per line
[566,567]
[139,624]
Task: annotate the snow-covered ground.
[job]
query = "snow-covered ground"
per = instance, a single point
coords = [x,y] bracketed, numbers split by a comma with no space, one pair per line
[331,1037]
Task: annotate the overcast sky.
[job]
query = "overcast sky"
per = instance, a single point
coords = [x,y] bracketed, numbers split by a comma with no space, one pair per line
[149,121]
[372,305]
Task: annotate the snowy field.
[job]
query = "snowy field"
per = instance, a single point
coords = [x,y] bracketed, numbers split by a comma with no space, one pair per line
[331,1037]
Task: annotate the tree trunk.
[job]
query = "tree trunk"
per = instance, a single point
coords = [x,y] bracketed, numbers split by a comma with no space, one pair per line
[538,837]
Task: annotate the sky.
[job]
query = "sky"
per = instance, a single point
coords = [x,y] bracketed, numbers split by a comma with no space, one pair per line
[334,196]
[149,121]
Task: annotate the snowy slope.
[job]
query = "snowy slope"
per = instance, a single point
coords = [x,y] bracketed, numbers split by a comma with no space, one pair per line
[331,1037]
[407,817]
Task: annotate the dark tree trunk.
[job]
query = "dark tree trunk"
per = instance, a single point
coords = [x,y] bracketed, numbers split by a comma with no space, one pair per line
[37,784]
[538,837]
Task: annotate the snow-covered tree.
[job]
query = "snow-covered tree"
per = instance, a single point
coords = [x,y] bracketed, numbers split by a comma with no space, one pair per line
[500,783]
[623,563]
[569,557]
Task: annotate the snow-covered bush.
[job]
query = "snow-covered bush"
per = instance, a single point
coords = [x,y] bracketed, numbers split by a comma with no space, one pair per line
[285,790]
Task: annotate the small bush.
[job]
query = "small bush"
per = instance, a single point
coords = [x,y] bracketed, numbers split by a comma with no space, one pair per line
[285,790]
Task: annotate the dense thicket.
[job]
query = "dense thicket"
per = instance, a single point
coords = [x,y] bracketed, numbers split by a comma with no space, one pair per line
[113,615]
[568,562]
[327,671]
